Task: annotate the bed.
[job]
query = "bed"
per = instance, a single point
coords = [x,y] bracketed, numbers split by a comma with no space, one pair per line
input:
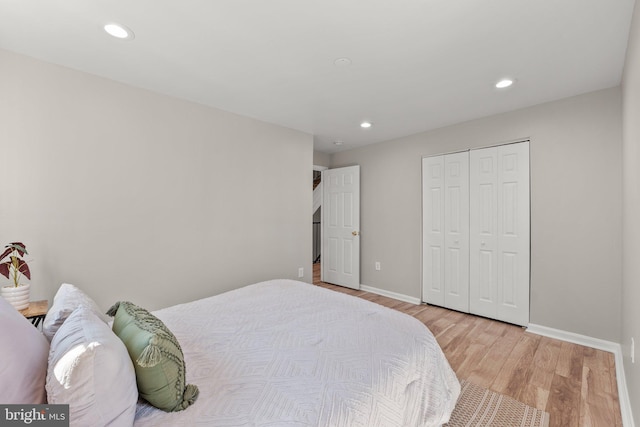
[286,353]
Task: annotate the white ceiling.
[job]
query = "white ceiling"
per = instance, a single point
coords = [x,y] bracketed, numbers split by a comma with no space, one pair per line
[416,64]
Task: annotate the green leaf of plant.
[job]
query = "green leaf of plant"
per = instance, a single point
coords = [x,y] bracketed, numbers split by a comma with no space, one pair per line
[20,247]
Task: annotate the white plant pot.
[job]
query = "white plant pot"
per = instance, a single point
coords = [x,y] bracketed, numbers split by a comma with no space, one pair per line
[18,297]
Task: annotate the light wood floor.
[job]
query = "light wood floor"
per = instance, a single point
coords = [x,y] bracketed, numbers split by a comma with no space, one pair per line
[576,385]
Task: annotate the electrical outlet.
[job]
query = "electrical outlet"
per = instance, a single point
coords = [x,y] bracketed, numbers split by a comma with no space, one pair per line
[301,272]
[633,351]
[377,265]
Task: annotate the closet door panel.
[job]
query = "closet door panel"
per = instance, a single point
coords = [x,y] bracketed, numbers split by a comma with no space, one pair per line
[483,263]
[514,230]
[456,214]
[499,233]
[433,229]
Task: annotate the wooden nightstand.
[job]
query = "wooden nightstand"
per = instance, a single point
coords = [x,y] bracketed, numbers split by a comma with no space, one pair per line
[36,311]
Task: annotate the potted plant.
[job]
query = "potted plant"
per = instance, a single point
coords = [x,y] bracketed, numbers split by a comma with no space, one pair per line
[13,267]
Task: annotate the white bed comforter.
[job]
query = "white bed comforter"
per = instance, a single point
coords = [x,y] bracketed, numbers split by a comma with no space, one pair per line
[286,353]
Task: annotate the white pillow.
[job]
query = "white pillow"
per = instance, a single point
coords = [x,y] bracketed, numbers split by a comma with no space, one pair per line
[23,357]
[67,299]
[90,369]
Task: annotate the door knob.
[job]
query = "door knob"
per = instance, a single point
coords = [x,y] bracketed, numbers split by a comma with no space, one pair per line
[355,233]
[482,243]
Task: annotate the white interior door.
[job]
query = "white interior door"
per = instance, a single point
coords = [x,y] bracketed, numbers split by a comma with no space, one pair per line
[484,232]
[445,228]
[456,238]
[433,230]
[499,233]
[341,226]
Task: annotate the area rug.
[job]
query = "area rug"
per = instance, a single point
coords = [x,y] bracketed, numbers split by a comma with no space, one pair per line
[478,407]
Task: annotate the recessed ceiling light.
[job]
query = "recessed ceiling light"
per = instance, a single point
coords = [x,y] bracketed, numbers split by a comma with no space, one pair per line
[365,125]
[342,62]
[504,83]
[119,31]
[337,142]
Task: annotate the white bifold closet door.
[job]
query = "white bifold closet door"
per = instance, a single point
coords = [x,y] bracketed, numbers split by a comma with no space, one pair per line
[446,230]
[499,233]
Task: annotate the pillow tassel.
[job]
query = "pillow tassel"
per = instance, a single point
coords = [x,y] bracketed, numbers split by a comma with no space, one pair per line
[189,397]
[151,355]
[113,310]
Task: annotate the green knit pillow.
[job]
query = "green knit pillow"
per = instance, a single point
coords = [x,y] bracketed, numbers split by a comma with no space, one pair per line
[156,355]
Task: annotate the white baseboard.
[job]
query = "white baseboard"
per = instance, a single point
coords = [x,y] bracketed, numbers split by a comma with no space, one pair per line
[612,347]
[573,338]
[394,295]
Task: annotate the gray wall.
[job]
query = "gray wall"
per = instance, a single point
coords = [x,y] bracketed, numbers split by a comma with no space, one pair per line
[576,197]
[631,212]
[321,159]
[139,196]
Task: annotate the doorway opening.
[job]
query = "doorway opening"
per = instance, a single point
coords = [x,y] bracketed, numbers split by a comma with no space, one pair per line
[317,223]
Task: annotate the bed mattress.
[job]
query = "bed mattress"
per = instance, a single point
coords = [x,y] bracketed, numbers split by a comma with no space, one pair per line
[286,353]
